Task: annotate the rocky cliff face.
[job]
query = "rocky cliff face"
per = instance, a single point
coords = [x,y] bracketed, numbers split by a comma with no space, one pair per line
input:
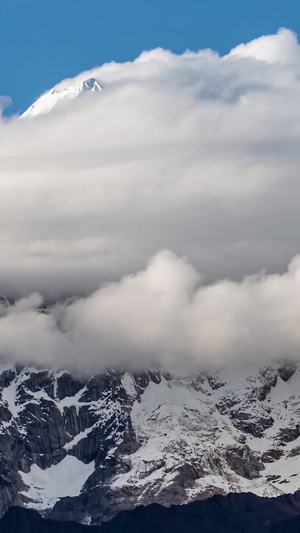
[84,449]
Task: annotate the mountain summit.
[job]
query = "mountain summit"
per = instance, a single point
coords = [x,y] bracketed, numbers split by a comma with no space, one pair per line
[50,99]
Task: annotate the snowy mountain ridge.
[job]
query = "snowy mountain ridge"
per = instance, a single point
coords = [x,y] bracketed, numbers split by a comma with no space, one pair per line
[50,99]
[84,449]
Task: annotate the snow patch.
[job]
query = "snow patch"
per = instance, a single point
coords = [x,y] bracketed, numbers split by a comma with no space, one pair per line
[9,396]
[64,479]
[129,384]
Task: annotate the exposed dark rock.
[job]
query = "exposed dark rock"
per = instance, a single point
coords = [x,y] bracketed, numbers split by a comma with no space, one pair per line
[271,455]
[228,401]
[289,434]
[286,370]
[215,381]
[45,429]
[244,462]
[255,425]
[68,385]
[40,381]
[6,377]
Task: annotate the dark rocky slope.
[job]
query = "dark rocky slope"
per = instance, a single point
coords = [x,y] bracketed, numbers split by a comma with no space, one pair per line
[235,513]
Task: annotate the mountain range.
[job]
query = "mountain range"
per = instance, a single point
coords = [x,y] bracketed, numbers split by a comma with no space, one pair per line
[83,449]
[150,450]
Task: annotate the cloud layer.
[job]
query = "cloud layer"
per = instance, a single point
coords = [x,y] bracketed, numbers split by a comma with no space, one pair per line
[194,153]
[161,315]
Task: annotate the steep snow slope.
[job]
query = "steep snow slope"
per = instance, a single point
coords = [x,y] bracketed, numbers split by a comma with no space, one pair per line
[123,439]
[59,480]
[50,99]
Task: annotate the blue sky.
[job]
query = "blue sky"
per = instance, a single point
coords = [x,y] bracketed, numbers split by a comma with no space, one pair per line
[44,42]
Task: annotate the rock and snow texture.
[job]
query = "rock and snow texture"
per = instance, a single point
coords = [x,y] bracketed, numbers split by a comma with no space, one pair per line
[50,99]
[83,449]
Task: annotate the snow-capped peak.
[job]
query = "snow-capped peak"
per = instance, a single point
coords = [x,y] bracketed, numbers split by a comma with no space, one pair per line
[90,85]
[49,100]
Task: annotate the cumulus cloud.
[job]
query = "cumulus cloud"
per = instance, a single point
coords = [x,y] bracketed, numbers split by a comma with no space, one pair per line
[162,315]
[282,48]
[194,153]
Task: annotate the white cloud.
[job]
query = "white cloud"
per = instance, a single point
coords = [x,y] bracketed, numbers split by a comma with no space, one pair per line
[282,47]
[161,315]
[194,153]
[5,101]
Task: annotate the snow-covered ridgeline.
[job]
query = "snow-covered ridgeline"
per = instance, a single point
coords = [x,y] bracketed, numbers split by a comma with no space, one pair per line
[51,98]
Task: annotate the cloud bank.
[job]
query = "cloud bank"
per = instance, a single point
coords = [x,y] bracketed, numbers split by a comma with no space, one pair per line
[194,153]
[162,315]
